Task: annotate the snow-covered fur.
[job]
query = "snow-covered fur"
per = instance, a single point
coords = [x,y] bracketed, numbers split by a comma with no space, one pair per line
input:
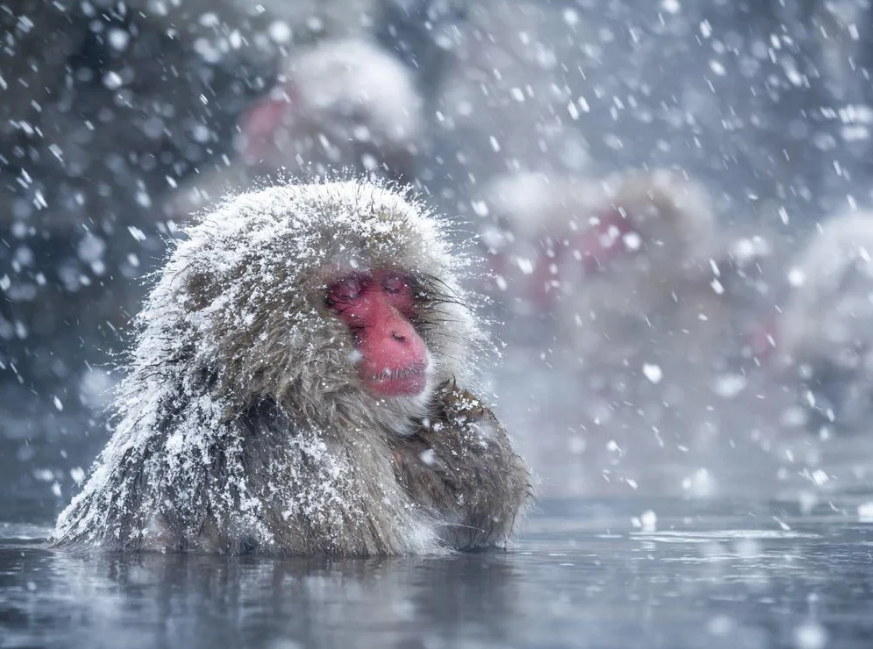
[242,425]
[825,334]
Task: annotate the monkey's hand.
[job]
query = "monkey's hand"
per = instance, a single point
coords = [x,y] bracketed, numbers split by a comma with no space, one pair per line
[460,466]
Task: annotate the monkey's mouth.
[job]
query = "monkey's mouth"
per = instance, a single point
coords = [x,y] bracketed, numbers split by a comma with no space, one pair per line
[405,381]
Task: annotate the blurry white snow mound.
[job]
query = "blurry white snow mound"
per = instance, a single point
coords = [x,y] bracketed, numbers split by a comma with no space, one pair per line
[331,95]
[865,512]
[825,333]
[830,313]
[505,102]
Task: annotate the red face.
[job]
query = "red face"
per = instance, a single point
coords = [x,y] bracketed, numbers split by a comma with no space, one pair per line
[763,337]
[264,121]
[602,243]
[377,308]
[594,248]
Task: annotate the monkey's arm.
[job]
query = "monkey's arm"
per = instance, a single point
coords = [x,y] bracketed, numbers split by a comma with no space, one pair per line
[460,467]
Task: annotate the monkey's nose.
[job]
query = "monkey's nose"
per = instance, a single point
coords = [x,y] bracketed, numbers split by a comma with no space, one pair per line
[399,337]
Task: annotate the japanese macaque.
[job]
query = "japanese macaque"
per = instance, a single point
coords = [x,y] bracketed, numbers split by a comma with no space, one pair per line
[532,218]
[606,255]
[646,255]
[340,103]
[823,339]
[299,387]
[345,101]
[626,290]
[670,297]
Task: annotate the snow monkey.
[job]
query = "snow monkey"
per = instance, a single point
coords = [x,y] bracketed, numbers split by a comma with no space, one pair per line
[606,254]
[340,103]
[651,321]
[299,386]
[633,285]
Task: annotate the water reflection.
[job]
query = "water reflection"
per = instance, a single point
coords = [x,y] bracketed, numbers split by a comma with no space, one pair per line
[586,574]
[178,600]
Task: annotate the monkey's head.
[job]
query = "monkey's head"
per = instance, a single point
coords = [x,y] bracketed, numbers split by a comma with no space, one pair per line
[656,223]
[314,297]
[343,102]
[557,236]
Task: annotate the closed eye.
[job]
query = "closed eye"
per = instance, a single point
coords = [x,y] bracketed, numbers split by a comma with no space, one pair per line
[344,291]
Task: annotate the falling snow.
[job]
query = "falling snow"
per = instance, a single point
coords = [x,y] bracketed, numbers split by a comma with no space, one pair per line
[668,212]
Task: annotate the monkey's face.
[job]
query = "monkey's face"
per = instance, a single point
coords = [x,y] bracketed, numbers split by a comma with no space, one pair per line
[378,308]
[261,127]
[555,261]
[611,238]
[277,128]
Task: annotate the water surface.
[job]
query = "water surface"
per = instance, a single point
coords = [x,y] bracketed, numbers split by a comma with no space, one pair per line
[585,573]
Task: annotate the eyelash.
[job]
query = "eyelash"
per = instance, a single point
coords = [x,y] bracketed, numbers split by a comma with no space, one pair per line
[406,286]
